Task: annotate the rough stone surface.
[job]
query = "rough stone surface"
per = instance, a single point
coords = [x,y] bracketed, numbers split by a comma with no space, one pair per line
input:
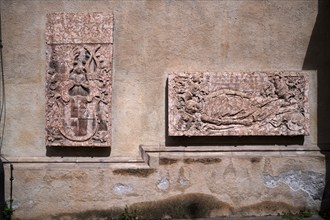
[310,182]
[238,103]
[78,79]
[235,186]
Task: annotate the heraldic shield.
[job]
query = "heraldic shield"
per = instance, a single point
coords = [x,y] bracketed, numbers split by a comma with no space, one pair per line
[79,97]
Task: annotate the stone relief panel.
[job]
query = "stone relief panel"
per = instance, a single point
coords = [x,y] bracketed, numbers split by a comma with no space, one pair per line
[238,104]
[79,79]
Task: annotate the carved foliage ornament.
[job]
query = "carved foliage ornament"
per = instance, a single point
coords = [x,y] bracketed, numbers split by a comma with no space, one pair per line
[78,79]
[238,103]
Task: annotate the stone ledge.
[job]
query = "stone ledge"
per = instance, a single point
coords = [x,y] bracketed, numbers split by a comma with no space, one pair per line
[150,154]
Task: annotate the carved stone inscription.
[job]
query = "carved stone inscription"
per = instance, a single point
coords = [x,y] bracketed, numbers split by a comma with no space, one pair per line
[238,103]
[78,79]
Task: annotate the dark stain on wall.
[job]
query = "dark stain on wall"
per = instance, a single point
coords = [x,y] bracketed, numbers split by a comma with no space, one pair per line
[134,172]
[167,161]
[114,213]
[178,207]
[187,206]
[267,208]
[255,159]
[195,205]
[202,160]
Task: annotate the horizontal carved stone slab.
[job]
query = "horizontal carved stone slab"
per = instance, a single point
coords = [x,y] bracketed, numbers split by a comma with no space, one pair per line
[238,104]
[79,79]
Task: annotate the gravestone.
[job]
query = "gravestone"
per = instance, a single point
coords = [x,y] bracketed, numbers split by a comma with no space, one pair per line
[238,103]
[79,79]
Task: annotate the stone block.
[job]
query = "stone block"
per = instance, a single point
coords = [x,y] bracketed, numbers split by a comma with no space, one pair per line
[260,103]
[78,79]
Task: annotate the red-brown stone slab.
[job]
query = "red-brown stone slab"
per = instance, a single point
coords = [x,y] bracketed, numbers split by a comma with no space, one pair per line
[260,103]
[79,79]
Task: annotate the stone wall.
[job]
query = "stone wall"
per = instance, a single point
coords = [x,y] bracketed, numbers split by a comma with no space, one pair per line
[146,168]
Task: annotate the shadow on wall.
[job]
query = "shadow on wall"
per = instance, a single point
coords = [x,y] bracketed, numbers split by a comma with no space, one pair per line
[78,151]
[318,58]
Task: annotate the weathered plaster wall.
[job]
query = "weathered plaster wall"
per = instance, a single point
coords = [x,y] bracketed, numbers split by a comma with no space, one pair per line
[151,39]
[180,187]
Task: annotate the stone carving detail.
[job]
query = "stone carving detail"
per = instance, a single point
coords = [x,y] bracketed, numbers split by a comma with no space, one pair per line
[79,28]
[79,80]
[238,103]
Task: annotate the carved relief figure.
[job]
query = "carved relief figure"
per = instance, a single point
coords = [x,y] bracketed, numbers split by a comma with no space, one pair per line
[238,104]
[78,92]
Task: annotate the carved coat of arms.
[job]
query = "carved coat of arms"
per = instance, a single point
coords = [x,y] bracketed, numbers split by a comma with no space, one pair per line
[78,89]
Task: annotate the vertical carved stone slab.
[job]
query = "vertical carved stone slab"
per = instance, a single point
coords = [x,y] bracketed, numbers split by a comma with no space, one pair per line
[79,79]
[238,103]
